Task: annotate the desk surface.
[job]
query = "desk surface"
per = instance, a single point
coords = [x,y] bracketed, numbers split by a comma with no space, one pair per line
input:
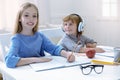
[110,72]
[71,73]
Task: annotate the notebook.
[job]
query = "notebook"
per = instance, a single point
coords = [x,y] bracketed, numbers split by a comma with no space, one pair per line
[109,51]
[103,60]
[58,62]
[106,54]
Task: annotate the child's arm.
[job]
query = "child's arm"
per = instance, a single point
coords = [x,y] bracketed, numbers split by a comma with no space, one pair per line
[91,45]
[97,49]
[25,61]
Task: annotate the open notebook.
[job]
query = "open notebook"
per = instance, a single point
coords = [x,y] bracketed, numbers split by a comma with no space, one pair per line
[106,54]
[109,51]
[58,62]
[104,60]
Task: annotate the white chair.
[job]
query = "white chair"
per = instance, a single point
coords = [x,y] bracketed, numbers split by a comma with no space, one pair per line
[54,34]
[4,44]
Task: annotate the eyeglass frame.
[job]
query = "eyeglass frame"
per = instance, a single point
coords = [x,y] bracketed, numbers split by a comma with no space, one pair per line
[92,67]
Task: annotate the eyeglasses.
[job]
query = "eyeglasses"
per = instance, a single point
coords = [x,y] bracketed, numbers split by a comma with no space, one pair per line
[87,69]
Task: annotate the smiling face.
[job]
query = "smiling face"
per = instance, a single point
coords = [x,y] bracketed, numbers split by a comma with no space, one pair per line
[29,18]
[71,23]
[70,27]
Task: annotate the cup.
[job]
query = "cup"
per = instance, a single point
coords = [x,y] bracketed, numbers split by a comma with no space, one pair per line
[117,54]
[90,53]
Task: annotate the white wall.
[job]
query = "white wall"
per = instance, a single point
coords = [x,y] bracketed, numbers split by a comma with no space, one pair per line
[105,32]
[2,16]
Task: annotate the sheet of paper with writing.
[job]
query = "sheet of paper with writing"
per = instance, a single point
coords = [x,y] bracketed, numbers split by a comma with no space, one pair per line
[109,51]
[46,65]
[58,62]
[102,60]
[79,60]
[106,54]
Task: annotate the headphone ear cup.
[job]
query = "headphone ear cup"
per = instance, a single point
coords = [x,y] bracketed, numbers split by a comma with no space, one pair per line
[80,27]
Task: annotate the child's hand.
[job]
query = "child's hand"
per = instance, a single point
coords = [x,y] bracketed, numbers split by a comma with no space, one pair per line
[99,50]
[71,57]
[90,45]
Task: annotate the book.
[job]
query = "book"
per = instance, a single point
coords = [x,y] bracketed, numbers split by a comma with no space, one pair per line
[102,60]
[109,51]
[106,54]
[58,62]
[107,48]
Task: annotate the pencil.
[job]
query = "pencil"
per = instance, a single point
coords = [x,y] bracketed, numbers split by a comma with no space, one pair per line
[73,50]
[70,56]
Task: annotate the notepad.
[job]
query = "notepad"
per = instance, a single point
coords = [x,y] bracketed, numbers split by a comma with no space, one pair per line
[106,54]
[107,48]
[109,51]
[58,62]
[102,60]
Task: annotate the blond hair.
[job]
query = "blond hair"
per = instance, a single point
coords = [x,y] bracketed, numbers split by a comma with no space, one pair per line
[18,26]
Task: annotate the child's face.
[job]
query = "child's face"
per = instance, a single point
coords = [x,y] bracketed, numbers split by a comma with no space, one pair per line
[29,18]
[70,27]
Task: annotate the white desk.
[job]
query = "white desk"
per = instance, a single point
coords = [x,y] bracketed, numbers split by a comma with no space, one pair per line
[70,73]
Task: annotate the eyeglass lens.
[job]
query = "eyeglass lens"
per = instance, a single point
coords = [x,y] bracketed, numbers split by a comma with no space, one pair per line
[98,70]
[86,70]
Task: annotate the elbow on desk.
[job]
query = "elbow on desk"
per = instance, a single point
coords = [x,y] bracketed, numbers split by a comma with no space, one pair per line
[10,63]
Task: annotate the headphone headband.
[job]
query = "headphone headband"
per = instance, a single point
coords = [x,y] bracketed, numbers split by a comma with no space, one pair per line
[81,24]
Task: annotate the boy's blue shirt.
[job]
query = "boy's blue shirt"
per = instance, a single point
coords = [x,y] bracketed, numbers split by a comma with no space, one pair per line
[23,46]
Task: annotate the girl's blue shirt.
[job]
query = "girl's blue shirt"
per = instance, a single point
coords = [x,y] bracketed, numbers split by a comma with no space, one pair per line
[23,46]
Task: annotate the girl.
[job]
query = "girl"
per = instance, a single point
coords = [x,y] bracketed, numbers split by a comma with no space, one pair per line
[28,45]
[74,40]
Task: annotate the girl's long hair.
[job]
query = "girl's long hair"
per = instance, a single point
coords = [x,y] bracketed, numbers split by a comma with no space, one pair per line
[18,25]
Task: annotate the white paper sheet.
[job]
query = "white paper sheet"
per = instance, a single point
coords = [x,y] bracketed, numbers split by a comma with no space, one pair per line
[58,62]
